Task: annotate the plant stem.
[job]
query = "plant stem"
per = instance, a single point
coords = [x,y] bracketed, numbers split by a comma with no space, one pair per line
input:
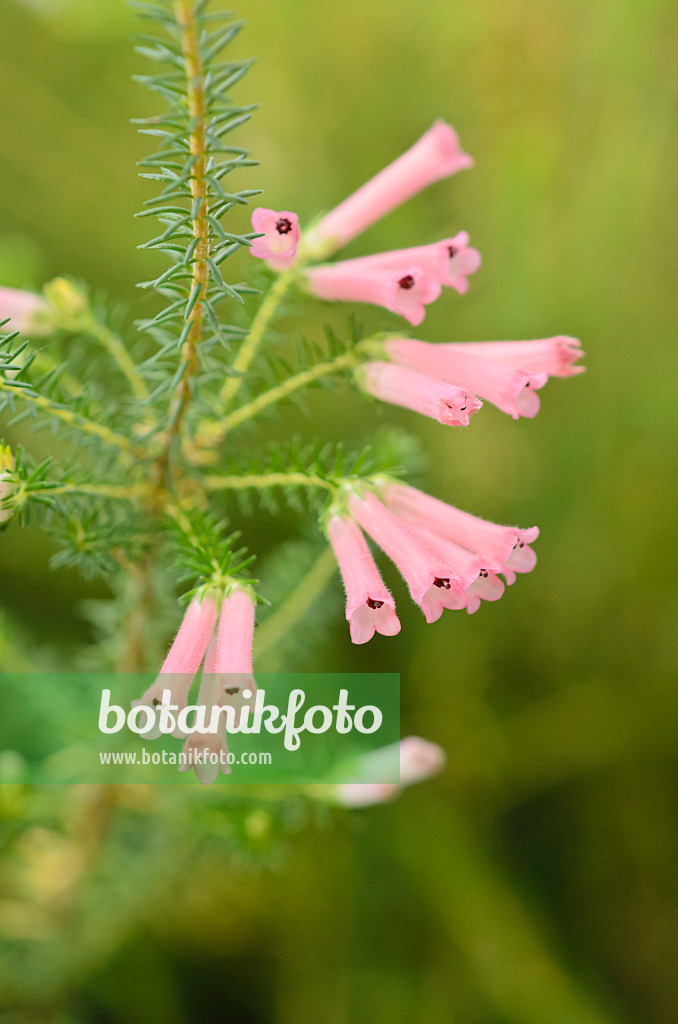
[260,325]
[117,350]
[265,480]
[74,419]
[185,15]
[213,432]
[298,604]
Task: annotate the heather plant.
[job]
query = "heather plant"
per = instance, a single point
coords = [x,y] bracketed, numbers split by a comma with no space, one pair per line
[161,416]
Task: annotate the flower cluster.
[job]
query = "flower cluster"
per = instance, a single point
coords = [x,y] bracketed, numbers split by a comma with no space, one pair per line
[448,558]
[219,640]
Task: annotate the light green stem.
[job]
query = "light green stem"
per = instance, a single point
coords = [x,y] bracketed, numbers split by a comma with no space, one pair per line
[74,420]
[260,325]
[214,432]
[117,350]
[298,604]
[264,480]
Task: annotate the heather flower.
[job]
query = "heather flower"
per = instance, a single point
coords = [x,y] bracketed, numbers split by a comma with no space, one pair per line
[227,676]
[449,261]
[504,545]
[511,390]
[405,291]
[184,659]
[21,308]
[400,385]
[369,605]
[7,481]
[436,155]
[280,230]
[478,575]
[419,760]
[432,583]
[553,356]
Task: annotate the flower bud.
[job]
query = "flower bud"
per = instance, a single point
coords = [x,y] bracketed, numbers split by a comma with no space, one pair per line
[8,482]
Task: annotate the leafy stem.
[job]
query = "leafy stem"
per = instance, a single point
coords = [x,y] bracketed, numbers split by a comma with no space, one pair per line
[185,14]
[211,433]
[260,325]
[73,419]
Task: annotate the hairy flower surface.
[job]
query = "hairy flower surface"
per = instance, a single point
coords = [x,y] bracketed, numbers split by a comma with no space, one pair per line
[369,605]
[405,291]
[555,357]
[184,659]
[227,677]
[280,230]
[419,760]
[432,583]
[400,385]
[511,390]
[437,154]
[504,545]
[449,261]
[478,575]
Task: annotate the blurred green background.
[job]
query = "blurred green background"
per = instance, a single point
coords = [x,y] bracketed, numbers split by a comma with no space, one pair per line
[535,881]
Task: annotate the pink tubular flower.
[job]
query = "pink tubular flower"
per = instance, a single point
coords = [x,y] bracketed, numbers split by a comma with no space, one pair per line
[20,307]
[405,291]
[436,155]
[504,545]
[183,660]
[553,356]
[419,760]
[227,682]
[280,230]
[399,385]
[511,390]
[478,575]
[369,605]
[433,584]
[449,261]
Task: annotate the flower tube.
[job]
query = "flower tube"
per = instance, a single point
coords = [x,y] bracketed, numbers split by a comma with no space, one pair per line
[369,605]
[431,397]
[436,155]
[405,291]
[506,545]
[419,760]
[227,681]
[184,659]
[449,261]
[553,356]
[432,583]
[511,390]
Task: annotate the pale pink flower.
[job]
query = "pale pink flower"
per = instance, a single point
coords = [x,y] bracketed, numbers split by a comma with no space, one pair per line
[227,678]
[400,385]
[478,575]
[369,605]
[404,291]
[436,155]
[21,307]
[511,390]
[432,583]
[554,356]
[183,661]
[280,229]
[449,261]
[419,760]
[504,545]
